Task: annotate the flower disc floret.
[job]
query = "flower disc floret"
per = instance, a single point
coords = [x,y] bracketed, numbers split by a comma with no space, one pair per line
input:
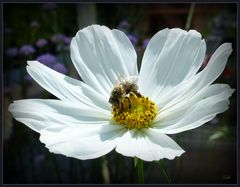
[135,112]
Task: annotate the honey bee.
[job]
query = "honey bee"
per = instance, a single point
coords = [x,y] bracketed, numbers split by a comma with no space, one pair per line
[121,90]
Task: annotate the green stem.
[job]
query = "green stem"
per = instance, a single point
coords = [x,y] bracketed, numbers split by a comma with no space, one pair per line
[105,171]
[140,173]
[190,15]
[164,170]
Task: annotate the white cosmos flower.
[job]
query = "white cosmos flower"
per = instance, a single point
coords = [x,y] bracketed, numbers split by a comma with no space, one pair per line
[80,124]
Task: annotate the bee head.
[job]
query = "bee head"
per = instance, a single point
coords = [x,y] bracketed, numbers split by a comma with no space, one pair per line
[113,100]
[116,95]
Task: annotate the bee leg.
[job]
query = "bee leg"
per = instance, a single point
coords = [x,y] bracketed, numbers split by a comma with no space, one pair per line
[129,103]
[137,94]
[120,107]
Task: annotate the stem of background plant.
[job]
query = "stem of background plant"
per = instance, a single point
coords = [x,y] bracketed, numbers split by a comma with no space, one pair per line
[164,170]
[190,15]
[105,170]
[138,164]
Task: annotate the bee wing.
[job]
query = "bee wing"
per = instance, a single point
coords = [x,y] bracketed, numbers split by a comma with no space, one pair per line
[121,80]
[133,79]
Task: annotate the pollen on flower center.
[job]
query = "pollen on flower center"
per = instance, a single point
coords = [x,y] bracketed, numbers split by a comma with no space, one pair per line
[134,111]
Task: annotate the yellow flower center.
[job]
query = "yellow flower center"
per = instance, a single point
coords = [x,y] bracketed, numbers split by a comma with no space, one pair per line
[134,111]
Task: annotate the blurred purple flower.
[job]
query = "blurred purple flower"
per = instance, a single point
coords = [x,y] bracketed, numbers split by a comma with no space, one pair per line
[47,59]
[41,42]
[49,6]
[57,38]
[145,42]
[34,24]
[124,25]
[26,50]
[60,68]
[67,40]
[28,78]
[133,39]
[12,52]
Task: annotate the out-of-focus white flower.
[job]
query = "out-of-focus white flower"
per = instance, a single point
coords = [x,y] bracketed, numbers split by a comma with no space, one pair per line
[172,97]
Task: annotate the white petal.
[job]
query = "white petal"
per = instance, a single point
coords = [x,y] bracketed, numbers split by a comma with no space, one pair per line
[148,145]
[101,56]
[196,111]
[41,113]
[82,142]
[172,56]
[203,79]
[66,88]
[215,66]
